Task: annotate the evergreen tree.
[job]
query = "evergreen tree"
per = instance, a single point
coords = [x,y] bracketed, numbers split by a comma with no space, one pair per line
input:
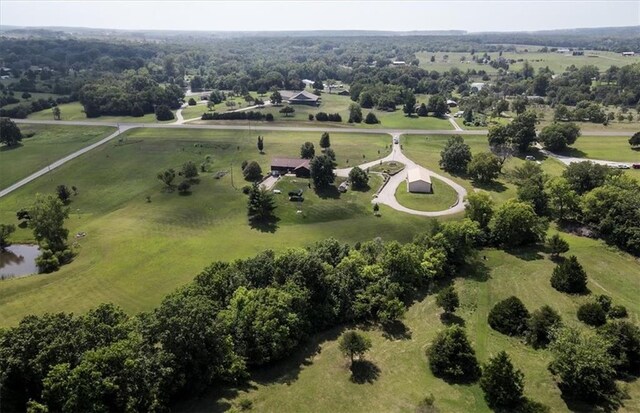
[503,385]
[260,205]
[452,358]
[569,277]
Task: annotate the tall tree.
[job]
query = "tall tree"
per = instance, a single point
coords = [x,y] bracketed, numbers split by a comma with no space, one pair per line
[452,357]
[325,141]
[484,167]
[260,144]
[355,113]
[307,150]
[322,171]
[456,155]
[409,107]
[10,134]
[515,223]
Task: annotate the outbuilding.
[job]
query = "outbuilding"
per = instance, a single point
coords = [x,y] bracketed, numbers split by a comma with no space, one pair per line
[418,180]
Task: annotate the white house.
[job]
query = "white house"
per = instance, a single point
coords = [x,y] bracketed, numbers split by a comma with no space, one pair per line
[628,53]
[418,180]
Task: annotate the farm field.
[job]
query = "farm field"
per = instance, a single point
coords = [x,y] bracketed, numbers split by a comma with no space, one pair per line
[443,197]
[316,378]
[48,144]
[136,252]
[555,61]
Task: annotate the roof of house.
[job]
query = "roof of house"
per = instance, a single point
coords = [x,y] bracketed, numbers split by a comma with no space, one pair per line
[418,174]
[305,96]
[290,163]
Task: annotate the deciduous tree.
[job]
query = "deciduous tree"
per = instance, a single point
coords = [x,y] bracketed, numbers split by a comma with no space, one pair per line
[353,344]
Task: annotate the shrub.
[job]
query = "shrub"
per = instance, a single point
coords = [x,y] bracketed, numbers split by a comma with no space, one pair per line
[163,113]
[557,245]
[618,311]
[371,119]
[310,116]
[192,102]
[322,117]
[184,187]
[569,277]
[447,299]
[605,302]
[268,117]
[592,314]
[509,317]
[624,338]
[541,325]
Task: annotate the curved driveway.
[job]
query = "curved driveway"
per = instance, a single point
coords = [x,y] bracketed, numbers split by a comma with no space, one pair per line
[387,195]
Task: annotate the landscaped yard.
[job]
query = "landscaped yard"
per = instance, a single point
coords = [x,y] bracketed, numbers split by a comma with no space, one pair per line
[136,252]
[443,197]
[425,150]
[48,144]
[317,378]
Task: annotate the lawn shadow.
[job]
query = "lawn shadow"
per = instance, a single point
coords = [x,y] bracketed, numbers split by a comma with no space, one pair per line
[215,400]
[267,225]
[611,404]
[363,189]
[493,186]
[330,192]
[476,270]
[526,406]
[528,253]
[573,152]
[396,330]
[288,369]
[364,371]
[449,319]
[4,148]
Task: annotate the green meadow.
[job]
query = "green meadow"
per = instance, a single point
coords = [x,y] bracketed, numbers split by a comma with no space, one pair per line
[48,144]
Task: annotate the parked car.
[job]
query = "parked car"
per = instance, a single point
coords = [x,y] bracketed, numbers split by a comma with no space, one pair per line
[530,158]
[396,140]
[623,166]
[277,191]
[636,166]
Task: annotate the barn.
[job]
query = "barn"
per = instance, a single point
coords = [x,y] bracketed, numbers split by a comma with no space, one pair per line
[418,180]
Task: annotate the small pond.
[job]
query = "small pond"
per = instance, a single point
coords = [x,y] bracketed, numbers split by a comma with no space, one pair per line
[18,260]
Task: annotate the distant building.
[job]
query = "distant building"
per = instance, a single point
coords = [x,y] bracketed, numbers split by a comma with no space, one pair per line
[302,98]
[299,167]
[452,103]
[563,50]
[308,82]
[418,180]
[399,63]
[628,53]
[477,85]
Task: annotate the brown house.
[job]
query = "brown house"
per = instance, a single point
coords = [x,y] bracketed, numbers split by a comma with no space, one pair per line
[300,167]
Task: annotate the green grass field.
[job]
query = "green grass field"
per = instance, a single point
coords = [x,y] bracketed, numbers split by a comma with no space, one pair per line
[74,111]
[137,252]
[50,143]
[443,197]
[610,148]
[317,378]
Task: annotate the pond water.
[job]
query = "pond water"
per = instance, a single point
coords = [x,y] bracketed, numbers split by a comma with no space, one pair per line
[18,260]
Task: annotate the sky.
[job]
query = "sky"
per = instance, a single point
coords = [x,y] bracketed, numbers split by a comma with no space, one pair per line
[241,15]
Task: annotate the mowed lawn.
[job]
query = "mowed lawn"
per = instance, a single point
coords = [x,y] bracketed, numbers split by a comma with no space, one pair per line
[317,378]
[442,197]
[609,148]
[48,144]
[425,150]
[136,252]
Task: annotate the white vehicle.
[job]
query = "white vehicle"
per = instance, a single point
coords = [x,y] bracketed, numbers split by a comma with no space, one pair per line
[530,158]
[277,191]
[623,166]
